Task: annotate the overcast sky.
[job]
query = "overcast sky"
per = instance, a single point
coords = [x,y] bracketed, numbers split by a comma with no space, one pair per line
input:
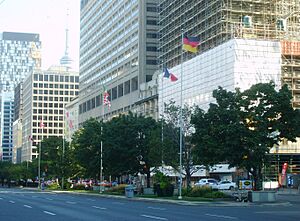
[47,18]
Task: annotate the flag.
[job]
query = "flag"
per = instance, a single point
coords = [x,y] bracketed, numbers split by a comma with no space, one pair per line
[191,43]
[169,75]
[30,138]
[42,125]
[106,101]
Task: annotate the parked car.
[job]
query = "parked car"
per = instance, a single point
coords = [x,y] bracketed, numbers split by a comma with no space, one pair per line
[226,185]
[271,184]
[213,183]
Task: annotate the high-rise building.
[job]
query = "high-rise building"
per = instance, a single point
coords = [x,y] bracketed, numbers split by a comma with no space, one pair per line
[241,43]
[218,21]
[7,119]
[20,55]
[45,95]
[118,52]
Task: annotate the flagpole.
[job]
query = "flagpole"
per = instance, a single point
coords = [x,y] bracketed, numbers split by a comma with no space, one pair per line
[63,153]
[40,154]
[180,135]
[101,145]
[162,116]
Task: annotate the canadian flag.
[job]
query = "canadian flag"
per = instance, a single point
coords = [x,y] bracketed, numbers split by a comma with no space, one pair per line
[42,124]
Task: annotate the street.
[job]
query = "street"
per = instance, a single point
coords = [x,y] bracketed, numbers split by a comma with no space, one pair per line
[26,205]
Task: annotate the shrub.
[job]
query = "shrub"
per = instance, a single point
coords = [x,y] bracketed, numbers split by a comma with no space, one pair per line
[200,191]
[214,195]
[53,186]
[162,185]
[120,189]
[79,187]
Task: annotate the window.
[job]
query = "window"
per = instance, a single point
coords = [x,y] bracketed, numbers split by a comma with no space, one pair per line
[120,90]
[151,22]
[134,83]
[151,62]
[114,93]
[151,48]
[127,87]
[151,35]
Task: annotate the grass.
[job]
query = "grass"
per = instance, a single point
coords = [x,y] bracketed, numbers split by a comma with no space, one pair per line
[175,197]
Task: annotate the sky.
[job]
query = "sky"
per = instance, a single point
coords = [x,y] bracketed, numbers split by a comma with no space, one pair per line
[49,19]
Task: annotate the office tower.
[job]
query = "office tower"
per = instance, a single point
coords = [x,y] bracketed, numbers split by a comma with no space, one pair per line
[7,114]
[45,95]
[217,21]
[118,52]
[241,43]
[20,55]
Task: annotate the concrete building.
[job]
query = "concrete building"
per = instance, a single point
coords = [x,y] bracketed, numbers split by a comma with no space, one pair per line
[7,114]
[241,43]
[71,118]
[45,95]
[118,51]
[20,55]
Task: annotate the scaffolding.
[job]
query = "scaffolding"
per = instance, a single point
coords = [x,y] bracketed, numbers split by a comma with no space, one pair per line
[217,21]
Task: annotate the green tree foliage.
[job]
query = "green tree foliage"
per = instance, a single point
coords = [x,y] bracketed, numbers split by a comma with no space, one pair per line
[172,139]
[130,145]
[242,127]
[56,158]
[86,145]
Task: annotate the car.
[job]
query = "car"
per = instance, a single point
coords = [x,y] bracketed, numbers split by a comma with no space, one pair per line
[271,184]
[213,183]
[226,185]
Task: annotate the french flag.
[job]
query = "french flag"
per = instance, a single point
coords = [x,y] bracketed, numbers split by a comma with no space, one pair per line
[169,75]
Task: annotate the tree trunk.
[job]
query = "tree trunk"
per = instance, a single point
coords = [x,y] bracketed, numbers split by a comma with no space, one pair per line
[148,178]
[188,176]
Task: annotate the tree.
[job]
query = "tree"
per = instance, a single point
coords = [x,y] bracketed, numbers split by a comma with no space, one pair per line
[171,133]
[242,127]
[129,146]
[57,158]
[86,146]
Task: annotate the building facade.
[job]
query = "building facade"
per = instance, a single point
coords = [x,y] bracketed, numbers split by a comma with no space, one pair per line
[236,36]
[118,52]
[7,118]
[45,95]
[20,55]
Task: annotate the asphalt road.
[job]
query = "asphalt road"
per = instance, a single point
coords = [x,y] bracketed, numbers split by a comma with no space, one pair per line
[25,205]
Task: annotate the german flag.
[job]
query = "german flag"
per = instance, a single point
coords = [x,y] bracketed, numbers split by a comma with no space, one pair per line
[191,43]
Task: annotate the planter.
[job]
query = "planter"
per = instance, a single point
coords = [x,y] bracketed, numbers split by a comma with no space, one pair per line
[262,196]
[166,191]
[148,191]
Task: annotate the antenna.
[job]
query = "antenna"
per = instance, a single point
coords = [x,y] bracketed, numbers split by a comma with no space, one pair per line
[66,61]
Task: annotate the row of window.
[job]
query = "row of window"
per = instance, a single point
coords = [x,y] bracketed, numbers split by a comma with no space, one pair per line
[48,118]
[45,98]
[61,86]
[116,92]
[55,78]
[55,92]
[46,111]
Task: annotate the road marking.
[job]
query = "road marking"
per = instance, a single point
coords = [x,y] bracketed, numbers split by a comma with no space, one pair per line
[71,202]
[27,206]
[221,216]
[1,198]
[118,203]
[91,200]
[49,199]
[47,212]
[156,208]
[97,207]
[154,217]
[12,201]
